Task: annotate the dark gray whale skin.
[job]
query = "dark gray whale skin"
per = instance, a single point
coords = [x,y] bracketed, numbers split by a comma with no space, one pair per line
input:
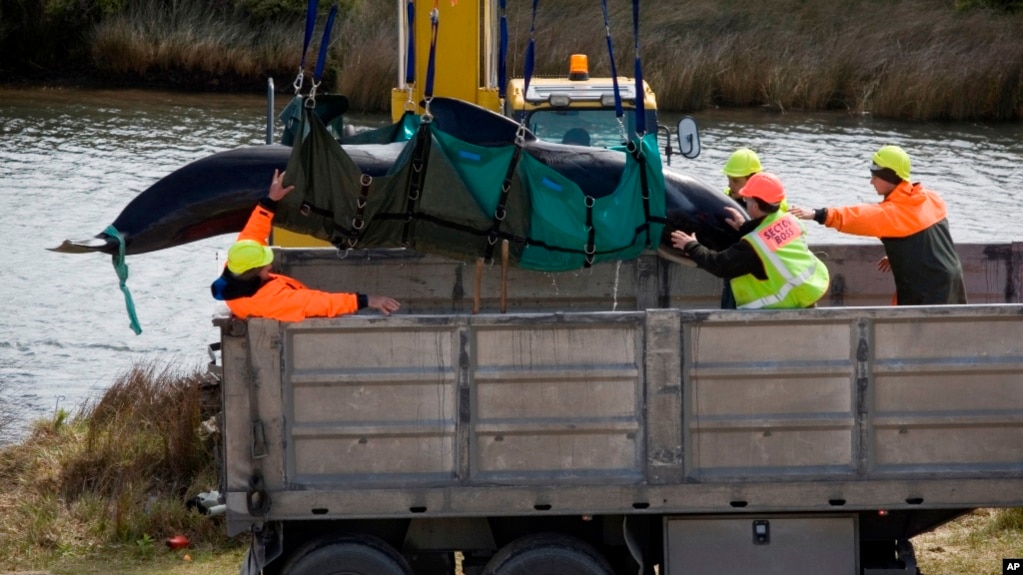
[215,195]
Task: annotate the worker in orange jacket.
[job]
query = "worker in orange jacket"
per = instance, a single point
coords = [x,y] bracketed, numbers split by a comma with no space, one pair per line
[912,223]
[250,290]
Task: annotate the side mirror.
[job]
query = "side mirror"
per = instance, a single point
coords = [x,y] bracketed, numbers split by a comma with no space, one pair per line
[688,138]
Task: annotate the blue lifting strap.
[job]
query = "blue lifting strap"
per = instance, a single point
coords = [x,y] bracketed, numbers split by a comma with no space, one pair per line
[310,23]
[502,55]
[431,63]
[324,44]
[410,58]
[640,93]
[619,112]
[530,51]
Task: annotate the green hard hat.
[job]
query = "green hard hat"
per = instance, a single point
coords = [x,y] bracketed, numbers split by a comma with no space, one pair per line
[894,158]
[245,255]
[743,162]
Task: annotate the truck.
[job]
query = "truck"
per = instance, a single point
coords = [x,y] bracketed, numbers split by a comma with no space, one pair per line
[612,421]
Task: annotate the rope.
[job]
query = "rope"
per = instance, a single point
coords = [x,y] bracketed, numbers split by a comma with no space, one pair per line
[122,274]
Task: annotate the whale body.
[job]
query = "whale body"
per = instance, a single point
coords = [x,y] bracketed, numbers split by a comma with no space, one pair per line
[215,195]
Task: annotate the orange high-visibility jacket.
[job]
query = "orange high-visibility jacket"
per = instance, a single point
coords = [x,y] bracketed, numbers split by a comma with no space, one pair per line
[911,223]
[908,209]
[284,298]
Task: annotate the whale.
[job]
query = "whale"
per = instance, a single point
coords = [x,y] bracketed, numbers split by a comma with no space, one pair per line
[215,195]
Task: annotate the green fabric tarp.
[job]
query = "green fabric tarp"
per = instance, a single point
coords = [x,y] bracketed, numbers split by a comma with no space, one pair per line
[441,194]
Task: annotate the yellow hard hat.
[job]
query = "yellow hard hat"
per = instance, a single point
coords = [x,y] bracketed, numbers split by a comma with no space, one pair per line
[743,162]
[765,186]
[894,158]
[245,255]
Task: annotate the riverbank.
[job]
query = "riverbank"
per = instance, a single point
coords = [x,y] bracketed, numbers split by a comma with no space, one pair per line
[905,59]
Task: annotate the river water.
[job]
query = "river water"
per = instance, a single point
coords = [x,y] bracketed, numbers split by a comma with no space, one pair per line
[70,160]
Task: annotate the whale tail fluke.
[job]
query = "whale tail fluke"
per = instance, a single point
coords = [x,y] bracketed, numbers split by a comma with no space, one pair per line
[100,243]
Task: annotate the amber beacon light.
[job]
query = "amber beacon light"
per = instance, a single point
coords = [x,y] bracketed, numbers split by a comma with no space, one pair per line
[578,67]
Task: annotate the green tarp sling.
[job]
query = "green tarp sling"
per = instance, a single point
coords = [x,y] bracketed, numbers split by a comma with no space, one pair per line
[550,223]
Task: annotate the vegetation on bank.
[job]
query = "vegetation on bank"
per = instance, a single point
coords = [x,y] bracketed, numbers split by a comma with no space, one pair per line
[100,491]
[107,486]
[912,59]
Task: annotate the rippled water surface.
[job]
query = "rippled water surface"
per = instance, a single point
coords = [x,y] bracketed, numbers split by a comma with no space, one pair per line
[71,160]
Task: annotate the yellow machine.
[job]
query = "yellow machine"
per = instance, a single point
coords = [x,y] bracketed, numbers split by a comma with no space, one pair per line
[578,109]
[466,63]
[465,58]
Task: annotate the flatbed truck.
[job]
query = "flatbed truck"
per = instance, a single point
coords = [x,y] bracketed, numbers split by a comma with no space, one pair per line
[612,421]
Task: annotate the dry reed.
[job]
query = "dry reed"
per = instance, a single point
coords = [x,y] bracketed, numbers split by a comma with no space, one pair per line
[912,59]
[118,472]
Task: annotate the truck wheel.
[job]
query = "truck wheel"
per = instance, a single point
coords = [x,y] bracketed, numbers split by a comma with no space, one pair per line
[350,555]
[548,554]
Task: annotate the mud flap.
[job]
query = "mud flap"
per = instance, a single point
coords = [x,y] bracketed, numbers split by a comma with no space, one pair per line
[267,545]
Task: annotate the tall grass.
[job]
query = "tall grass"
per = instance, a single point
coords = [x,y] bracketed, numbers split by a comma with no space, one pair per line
[117,473]
[912,59]
[194,44]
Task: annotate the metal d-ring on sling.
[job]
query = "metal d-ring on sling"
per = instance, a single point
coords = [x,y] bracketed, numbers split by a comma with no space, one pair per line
[359,219]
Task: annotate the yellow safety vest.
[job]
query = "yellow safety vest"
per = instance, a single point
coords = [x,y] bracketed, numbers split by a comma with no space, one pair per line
[795,277]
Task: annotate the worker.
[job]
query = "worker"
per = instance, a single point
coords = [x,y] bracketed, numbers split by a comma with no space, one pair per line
[250,290]
[911,222]
[771,266]
[742,164]
[576,137]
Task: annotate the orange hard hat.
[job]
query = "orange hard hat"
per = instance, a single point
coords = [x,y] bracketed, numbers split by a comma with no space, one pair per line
[764,185]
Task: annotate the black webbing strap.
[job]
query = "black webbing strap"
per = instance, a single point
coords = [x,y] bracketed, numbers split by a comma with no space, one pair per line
[591,232]
[306,208]
[417,179]
[450,225]
[344,238]
[359,220]
[500,211]
[644,184]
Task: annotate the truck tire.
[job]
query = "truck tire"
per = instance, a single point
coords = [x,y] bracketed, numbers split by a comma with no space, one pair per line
[548,554]
[349,555]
